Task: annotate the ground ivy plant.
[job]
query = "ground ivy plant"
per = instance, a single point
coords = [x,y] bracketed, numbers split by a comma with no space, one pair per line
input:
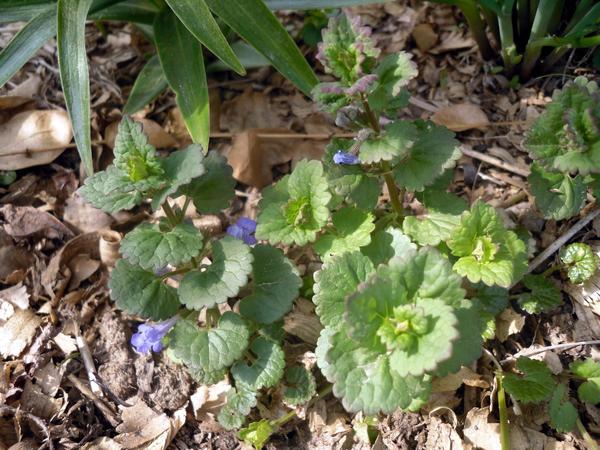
[402,298]
[565,145]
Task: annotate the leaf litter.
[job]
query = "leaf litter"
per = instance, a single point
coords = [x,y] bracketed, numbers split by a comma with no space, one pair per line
[53,271]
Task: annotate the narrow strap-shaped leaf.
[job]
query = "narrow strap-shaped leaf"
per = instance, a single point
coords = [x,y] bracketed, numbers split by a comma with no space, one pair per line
[74,76]
[253,21]
[26,43]
[317,4]
[148,85]
[198,19]
[137,11]
[21,10]
[181,59]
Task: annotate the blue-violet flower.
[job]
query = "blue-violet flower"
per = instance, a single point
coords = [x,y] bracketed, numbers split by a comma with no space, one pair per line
[243,229]
[341,157]
[149,336]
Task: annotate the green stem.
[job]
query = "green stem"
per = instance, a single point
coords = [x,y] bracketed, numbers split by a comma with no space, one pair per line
[586,436]
[550,270]
[544,17]
[175,272]
[289,416]
[507,39]
[371,116]
[504,429]
[212,316]
[171,216]
[470,10]
[188,200]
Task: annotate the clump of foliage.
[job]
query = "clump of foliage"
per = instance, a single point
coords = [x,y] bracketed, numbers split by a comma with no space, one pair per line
[565,145]
[530,34]
[402,298]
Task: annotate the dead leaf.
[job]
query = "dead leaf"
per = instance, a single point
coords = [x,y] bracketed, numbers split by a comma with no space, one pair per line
[508,322]
[82,267]
[442,436]
[17,333]
[453,381]
[23,221]
[37,402]
[14,261]
[142,428]
[157,136]
[28,88]
[425,37]
[65,343]
[84,216]
[252,109]
[302,322]
[461,117]
[11,298]
[454,41]
[103,443]
[33,138]
[49,377]
[207,402]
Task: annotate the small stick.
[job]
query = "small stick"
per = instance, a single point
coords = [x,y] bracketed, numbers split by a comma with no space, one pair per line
[556,245]
[102,406]
[4,409]
[88,362]
[494,161]
[549,348]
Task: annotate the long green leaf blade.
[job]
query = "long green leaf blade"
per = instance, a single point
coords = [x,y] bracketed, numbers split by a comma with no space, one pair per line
[137,11]
[74,76]
[148,85]
[181,59]
[26,43]
[21,10]
[254,22]
[317,4]
[198,19]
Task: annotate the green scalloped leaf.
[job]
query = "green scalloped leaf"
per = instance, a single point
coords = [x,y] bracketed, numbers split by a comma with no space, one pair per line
[393,72]
[566,137]
[212,191]
[300,386]
[430,229]
[394,142]
[140,292]
[349,183]
[223,279]
[434,151]
[563,415]
[337,279]
[295,209]
[535,385]
[276,285]
[180,167]
[150,247]
[387,244]
[544,295]
[557,195]
[364,381]
[580,261]
[257,433]
[351,230]
[589,390]
[486,250]
[111,191]
[209,350]
[239,404]
[266,368]
[436,198]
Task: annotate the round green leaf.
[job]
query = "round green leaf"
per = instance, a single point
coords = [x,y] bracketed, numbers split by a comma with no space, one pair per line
[266,369]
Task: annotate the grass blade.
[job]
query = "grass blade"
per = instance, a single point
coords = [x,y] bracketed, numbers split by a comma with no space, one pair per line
[181,59]
[24,45]
[72,61]
[137,11]
[246,54]
[21,10]
[254,22]
[148,85]
[198,19]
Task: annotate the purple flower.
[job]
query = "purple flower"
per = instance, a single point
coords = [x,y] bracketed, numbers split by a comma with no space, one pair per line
[149,336]
[341,157]
[243,229]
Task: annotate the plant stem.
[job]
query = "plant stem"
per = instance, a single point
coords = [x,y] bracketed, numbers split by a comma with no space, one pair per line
[175,272]
[504,430]
[507,38]
[212,316]
[550,270]
[171,216]
[470,10]
[586,436]
[188,200]
[289,416]
[395,194]
[371,116]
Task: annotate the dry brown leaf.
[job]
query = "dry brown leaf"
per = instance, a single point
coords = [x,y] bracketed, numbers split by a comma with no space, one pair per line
[23,221]
[302,322]
[82,267]
[11,298]
[157,136]
[37,402]
[454,41]
[142,428]
[49,377]
[252,109]
[65,343]
[17,333]
[207,402]
[33,138]
[508,322]
[461,117]
[28,88]
[453,381]
[442,436]
[425,37]
[103,443]
[84,216]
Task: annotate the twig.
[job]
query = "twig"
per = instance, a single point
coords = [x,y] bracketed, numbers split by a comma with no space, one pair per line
[4,409]
[549,348]
[314,136]
[494,161]
[100,404]
[88,362]
[556,245]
